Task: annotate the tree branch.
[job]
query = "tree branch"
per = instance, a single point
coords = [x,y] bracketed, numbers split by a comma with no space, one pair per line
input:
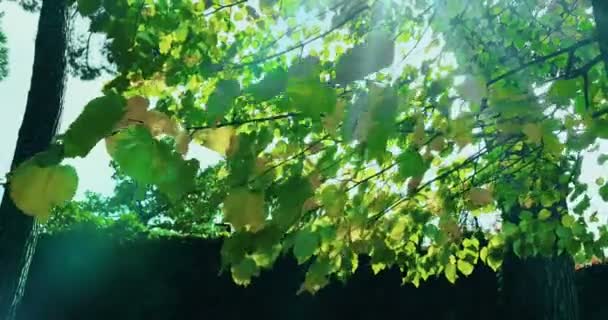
[237,123]
[303,43]
[542,59]
[600,12]
[224,6]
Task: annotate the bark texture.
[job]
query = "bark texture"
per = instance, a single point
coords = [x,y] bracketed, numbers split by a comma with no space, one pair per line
[43,110]
[600,12]
[539,288]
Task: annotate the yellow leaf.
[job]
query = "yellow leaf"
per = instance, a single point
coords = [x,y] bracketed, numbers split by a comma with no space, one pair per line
[412,184]
[36,190]
[165,43]
[461,130]
[244,209]
[534,132]
[451,228]
[438,144]
[138,102]
[310,204]
[418,136]
[160,124]
[182,141]
[480,197]
[137,109]
[221,140]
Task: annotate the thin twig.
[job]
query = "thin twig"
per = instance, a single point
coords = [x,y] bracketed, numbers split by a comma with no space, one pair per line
[542,59]
[237,123]
[303,43]
[224,6]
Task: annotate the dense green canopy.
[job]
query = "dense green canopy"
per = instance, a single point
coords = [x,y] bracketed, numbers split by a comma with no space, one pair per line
[352,127]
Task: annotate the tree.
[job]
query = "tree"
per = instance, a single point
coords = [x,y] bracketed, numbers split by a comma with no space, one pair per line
[18,232]
[342,137]
[3,56]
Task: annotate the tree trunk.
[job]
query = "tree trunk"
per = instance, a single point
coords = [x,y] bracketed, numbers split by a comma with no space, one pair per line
[43,109]
[600,12]
[539,288]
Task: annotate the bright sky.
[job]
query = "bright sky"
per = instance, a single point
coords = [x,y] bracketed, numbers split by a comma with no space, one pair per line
[94,171]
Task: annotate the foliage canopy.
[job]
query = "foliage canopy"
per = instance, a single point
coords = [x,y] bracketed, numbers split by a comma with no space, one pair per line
[373,127]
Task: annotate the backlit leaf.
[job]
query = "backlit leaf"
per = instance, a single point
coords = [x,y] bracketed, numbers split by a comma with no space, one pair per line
[411,164]
[305,244]
[222,98]
[245,209]
[273,84]
[376,53]
[450,272]
[36,190]
[218,140]
[480,197]
[243,271]
[534,132]
[95,122]
[465,267]
[306,92]
[291,198]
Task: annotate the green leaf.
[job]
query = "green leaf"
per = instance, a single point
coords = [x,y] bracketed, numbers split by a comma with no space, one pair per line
[291,196]
[518,247]
[273,84]
[134,150]
[221,100]
[534,132]
[562,91]
[544,214]
[317,275]
[174,176]
[583,205]
[149,161]
[306,93]
[94,123]
[266,5]
[245,209]
[494,260]
[384,109]
[602,158]
[465,267]
[603,191]
[88,7]
[568,221]
[243,271]
[450,272]
[37,190]
[305,244]
[333,199]
[376,53]
[411,164]
[483,254]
